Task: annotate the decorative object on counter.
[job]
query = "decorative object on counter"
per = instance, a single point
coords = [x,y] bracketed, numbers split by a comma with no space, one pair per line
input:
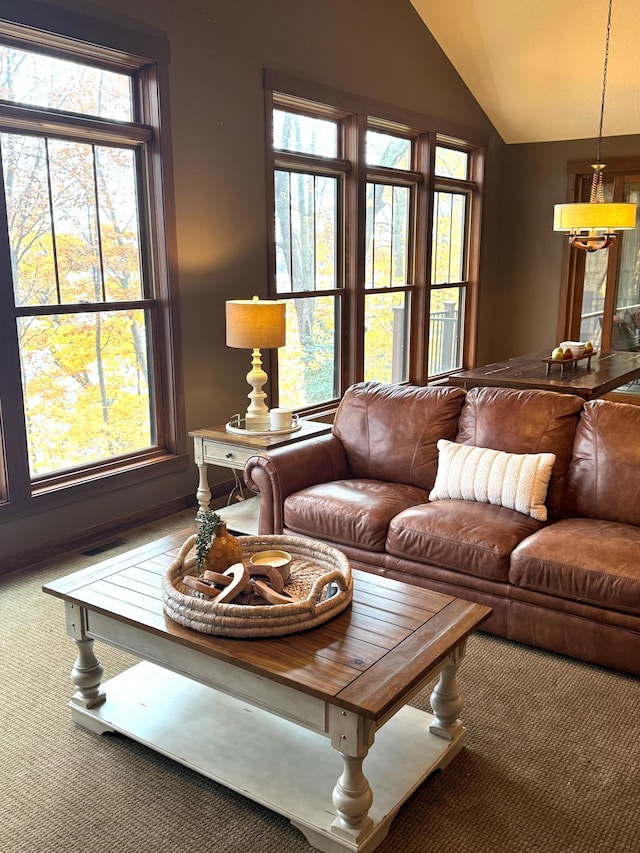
[256,324]
[215,548]
[320,587]
[569,353]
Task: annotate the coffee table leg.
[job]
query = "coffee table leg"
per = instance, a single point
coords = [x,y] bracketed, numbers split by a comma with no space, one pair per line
[351,736]
[87,671]
[446,699]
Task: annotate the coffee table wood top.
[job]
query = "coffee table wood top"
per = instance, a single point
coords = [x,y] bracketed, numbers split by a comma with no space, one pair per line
[368,658]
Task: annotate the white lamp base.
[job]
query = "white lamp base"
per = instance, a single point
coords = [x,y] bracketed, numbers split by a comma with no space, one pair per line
[257,422]
[257,417]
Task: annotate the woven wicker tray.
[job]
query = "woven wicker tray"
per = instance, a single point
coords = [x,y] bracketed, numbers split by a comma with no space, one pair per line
[320,579]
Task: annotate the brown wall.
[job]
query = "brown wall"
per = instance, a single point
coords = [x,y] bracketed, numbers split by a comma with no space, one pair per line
[373,48]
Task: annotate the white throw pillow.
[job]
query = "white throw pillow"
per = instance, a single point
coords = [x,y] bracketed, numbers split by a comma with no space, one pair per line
[514,480]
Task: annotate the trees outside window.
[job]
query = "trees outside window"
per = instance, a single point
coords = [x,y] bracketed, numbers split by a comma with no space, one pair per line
[373,244]
[85,283]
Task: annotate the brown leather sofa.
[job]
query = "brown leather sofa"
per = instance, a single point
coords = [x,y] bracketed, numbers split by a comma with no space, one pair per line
[570,584]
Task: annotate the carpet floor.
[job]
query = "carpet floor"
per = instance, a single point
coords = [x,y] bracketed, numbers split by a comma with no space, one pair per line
[551,762]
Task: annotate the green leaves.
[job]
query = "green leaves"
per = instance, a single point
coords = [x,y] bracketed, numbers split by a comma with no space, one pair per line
[209,524]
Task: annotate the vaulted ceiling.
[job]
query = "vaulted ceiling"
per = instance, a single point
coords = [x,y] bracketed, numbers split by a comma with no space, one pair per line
[535,66]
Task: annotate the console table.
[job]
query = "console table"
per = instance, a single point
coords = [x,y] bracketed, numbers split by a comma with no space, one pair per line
[608,371]
[217,446]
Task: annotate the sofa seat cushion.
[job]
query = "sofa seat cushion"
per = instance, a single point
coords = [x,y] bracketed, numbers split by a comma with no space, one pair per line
[352,512]
[582,559]
[473,538]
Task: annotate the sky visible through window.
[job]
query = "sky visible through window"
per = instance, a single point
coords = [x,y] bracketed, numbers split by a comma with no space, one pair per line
[48,82]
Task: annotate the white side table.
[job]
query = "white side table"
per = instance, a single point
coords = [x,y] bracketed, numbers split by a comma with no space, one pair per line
[216,446]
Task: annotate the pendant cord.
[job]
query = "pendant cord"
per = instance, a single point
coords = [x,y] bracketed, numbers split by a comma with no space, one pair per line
[604,80]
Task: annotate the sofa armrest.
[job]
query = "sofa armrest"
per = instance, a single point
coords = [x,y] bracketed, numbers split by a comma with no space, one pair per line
[289,469]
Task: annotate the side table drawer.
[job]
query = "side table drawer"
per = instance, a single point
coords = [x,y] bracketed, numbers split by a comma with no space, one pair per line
[227,455]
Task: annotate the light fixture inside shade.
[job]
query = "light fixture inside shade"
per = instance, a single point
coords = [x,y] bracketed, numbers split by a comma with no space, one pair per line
[592,225]
[256,324]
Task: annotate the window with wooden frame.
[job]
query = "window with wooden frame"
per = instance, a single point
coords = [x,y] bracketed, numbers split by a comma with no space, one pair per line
[374,223]
[88,376]
[600,297]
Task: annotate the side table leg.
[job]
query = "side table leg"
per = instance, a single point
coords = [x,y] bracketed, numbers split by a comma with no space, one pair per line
[203,494]
[446,699]
[352,797]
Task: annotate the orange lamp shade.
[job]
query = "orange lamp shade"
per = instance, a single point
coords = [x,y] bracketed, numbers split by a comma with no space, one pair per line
[255,323]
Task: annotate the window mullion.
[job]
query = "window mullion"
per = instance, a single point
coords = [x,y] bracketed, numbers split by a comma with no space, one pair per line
[68,126]
[293,162]
[82,308]
[355,151]
[393,234]
[424,156]
[54,247]
[14,463]
[98,223]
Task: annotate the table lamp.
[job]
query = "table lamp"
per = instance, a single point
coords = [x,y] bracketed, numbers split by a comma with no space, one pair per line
[256,324]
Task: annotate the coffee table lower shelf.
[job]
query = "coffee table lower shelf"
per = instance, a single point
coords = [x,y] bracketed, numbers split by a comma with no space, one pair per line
[273,761]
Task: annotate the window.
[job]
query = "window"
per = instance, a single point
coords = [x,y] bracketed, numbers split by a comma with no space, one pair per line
[85,285]
[601,297]
[449,260]
[373,245]
[390,202]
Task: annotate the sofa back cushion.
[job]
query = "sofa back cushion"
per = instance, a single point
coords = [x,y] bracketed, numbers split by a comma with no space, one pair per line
[524,422]
[390,432]
[604,474]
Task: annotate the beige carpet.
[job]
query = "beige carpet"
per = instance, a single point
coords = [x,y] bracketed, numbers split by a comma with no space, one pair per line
[551,763]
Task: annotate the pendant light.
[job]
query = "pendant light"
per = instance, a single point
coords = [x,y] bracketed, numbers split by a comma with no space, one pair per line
[592,225]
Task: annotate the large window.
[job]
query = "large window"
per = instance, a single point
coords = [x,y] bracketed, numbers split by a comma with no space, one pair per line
[601,297]
[87,374]
[307,209]
[374,245]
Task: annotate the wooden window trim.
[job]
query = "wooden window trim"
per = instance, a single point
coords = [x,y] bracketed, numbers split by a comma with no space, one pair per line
[38,122]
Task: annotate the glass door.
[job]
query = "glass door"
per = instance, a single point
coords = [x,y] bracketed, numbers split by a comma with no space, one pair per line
[608,284]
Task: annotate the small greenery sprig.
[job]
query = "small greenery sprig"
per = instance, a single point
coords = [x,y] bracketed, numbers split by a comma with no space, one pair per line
[210,523]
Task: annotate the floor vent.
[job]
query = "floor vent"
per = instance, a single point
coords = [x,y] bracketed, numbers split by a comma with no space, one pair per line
[107,546]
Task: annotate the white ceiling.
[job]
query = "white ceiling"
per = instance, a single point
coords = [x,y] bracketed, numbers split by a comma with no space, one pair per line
[535,66]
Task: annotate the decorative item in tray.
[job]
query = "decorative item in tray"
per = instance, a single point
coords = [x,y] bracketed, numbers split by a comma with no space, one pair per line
[569,353]
[257,599]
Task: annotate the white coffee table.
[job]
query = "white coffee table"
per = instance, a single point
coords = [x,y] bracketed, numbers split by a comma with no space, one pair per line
[286,721]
